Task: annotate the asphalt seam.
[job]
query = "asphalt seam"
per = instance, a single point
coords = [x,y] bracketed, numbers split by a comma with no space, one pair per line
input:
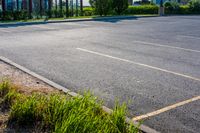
[143,127]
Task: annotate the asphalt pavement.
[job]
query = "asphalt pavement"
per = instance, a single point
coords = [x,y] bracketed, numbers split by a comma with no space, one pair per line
[152,64]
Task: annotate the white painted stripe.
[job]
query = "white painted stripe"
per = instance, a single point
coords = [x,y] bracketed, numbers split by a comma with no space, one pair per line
[165,109]
[167,46]
[140,64]
[5,30]
[192,37]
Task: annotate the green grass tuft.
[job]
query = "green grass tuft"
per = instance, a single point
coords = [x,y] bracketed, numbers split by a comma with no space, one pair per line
[63,114]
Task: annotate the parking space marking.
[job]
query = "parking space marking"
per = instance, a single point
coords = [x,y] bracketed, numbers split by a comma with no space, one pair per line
[192,37]
[5,30]
[165,109]
[167,46]
[139,64]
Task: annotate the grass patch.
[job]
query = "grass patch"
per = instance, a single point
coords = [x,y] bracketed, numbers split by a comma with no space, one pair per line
[60,113]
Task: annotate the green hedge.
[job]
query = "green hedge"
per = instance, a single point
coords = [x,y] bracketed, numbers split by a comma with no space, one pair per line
[143,9]
[181,10]
[172,7]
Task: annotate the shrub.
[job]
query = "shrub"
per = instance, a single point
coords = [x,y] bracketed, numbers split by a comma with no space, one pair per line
[171,7]
[8,15]
[88,11]
[119,6]
[19,15]
[144,9]
[194,6]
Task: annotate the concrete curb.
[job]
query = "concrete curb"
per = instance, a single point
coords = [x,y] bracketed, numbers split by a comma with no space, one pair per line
[143,128]
[74,20]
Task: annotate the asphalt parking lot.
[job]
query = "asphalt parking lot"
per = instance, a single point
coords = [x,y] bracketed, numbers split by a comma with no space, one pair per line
[152,63]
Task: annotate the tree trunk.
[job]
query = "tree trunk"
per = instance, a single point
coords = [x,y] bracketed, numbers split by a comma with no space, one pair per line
[60,3]
[17,2]
[76,7]
[81,7]
[67,8]
[3,5]
[49,8]
[30,9]
[3,9]
[40,7]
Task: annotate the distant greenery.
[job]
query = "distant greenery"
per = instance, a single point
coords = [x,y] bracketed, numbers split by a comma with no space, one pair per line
[107,8]
[61,113]
[172,7]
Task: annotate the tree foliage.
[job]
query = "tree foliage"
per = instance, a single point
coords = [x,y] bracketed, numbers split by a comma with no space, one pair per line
[195,6]
[101,7]
[119,6]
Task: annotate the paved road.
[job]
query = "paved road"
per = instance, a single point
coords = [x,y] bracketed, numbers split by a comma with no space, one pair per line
[150,63]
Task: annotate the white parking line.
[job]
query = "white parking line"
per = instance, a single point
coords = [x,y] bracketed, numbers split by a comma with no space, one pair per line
[140,64]
[167,46]
[5,30]
[192,37]
[165,109]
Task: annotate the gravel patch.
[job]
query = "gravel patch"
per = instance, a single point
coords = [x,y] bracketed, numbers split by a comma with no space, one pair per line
[22,79]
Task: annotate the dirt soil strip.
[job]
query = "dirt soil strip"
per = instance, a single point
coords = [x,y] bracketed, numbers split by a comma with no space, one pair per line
[21,76]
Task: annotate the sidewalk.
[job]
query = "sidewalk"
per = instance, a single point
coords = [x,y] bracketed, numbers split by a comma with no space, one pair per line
[76,20]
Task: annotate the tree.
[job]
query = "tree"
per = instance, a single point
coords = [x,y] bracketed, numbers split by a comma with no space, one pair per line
[49,8]
[81,7]
[30,9]
[67,8]
[102,7]
[17,2]
[41,7]
[119,6]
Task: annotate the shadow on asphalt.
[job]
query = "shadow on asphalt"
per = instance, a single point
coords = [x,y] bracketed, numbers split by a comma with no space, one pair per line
[21,24]
[115,20]
[109,20]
